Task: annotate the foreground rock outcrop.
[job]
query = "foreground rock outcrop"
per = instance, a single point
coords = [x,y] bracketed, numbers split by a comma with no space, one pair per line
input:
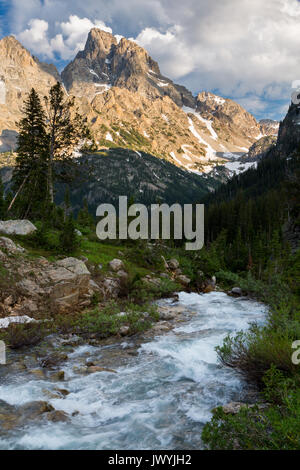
[33,288]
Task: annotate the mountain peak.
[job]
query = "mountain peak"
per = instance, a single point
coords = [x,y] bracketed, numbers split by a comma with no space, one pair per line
[98,41]
[10,46]
[107,61]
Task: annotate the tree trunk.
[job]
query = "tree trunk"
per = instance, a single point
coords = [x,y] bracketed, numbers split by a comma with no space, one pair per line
[50,182]
[17,193]
[50,166]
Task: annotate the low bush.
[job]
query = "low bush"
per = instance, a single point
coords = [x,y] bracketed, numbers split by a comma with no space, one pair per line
[274,427]
[17,336]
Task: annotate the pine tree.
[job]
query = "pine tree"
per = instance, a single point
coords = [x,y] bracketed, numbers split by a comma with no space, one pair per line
[66,128]
[84,218]
[30,172]
[68,237]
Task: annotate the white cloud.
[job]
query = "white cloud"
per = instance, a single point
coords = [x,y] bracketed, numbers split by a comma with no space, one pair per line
[168,49]
[66,44]
[35,37]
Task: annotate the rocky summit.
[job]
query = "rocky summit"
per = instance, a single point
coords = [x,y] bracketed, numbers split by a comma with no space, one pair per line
[130,104]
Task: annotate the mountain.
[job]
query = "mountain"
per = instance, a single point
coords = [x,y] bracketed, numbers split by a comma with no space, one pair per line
[269,127]
[107,62]
[133,104]
[259,149]
[234,125]
[130,104]
[19,72]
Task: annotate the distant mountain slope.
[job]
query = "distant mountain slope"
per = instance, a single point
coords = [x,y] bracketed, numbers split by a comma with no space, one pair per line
[274,166]
[107,175]
[269,127]
[19,72]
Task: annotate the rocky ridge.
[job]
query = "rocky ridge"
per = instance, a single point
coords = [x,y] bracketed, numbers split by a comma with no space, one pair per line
[129,103]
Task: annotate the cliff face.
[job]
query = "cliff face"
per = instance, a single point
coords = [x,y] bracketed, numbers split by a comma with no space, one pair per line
[289,132]
[19,72]
[259,148]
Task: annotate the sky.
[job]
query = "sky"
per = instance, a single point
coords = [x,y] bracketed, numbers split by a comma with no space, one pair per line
[246,50]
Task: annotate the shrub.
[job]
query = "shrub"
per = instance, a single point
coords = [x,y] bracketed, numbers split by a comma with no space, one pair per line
[17,336]
[255,351]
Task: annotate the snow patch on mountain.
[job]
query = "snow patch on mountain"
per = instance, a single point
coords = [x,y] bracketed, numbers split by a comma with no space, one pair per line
[210,152]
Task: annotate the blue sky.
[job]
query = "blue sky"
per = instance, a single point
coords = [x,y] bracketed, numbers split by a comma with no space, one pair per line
[246,50]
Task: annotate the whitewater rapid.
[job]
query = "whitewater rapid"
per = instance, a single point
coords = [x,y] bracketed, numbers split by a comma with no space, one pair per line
[160,398]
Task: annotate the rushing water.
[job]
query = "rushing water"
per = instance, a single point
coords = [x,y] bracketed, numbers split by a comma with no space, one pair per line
[159,398]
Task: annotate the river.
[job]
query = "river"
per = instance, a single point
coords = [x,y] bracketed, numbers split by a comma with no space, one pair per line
[161,395]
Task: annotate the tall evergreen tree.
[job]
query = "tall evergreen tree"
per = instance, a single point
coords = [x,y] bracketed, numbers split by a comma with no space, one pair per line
[66,128]
[68,238]
[84,218]
[30,172]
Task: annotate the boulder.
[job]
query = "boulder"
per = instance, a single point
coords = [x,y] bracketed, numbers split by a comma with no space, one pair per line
[70,281]
[34,409]
[8,245]
[124,330]
[116,265]
[151,280]
[122,275]
[173,264]
[110,288]
[236,291]
[17,227]
[233,407]
[166,314]
[184,280]
[53,360]
[78,233]
[74,265]
[59,375]
[57,416]
[170,312]
[5,322]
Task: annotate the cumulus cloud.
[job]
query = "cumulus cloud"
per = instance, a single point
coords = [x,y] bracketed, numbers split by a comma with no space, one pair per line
[247,50]
[65,44]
